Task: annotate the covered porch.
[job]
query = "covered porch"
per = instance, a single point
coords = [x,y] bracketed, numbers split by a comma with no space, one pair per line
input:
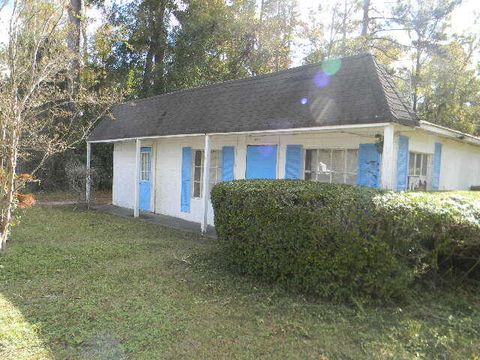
[156,157]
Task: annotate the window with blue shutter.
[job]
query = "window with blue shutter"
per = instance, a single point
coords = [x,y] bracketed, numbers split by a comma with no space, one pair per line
[228,163]
[368,166]
[294,162]
[186,179]
[437,163]
[402,163]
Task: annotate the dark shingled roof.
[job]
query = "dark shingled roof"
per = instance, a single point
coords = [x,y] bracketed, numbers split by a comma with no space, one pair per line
[359,92]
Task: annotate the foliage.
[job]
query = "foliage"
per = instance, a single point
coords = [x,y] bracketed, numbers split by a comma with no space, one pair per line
[79,284]
[41,113]
[197,42]
[450,87]
[437,71]
[344,242]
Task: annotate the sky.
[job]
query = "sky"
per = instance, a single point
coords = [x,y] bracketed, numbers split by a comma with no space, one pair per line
[462,19]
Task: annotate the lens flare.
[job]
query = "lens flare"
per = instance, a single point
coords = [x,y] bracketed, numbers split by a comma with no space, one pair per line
[331,67]
[322,79]
[304,101]
[267,150]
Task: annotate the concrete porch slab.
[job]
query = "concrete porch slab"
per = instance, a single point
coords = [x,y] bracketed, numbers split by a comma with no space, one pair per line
[159,219]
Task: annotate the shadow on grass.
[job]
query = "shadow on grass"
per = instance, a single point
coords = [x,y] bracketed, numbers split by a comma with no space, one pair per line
[89,285]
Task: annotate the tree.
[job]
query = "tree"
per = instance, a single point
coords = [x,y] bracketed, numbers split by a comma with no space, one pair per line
[425,21]
[213,41]
[450,87]
[39,112]
[355,27]
[138,33]
[275,31]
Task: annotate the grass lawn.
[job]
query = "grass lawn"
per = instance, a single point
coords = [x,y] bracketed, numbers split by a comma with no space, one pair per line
[101,197]
[77,284]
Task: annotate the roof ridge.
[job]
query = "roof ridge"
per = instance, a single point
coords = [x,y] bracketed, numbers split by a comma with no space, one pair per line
[241,80]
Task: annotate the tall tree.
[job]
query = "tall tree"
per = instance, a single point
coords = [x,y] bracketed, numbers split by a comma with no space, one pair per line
[276,28]
[450,87]
[138,36]
[75,14]
[153,13]
[426,22]
[352,29]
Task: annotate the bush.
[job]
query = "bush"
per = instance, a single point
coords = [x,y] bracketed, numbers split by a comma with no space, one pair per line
[341,241]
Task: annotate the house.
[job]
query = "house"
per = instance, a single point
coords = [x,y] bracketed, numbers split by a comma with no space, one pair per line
[339,121]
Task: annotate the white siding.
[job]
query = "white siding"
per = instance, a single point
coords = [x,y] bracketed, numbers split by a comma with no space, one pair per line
[169,162]
[460,162]
[123,174]
[460,167]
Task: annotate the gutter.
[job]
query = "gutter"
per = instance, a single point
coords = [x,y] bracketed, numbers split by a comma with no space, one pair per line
[449,133]
[254,132]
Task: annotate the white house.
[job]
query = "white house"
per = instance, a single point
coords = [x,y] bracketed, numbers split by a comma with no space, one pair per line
[339,121]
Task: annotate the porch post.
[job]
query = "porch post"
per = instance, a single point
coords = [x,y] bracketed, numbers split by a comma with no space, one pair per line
[388,158]
[136,203]
[88,180]
[206,182]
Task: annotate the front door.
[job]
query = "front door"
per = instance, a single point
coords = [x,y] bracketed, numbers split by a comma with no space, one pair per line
[145,178]
[261,162]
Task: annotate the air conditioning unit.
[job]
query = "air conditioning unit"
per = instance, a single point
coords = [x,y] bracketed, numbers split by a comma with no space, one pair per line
[417,183]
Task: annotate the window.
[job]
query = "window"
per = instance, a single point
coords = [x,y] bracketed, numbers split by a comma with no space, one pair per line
[332,166]
[197,173]
[418,171]
[216,173]
[215,170]
[146,166]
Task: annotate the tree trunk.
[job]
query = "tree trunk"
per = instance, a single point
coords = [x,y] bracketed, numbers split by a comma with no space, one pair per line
[10,166]
[344,28]
[73,41]
[332,28]
[366,17]
[147,71]
[84,36]
[416,79]
[153,76]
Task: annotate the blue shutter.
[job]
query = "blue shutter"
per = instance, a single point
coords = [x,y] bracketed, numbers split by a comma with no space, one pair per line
[228,163]
[368,166]
[437,162]
[293,162]
[402,163]
[261,162]
[186,179]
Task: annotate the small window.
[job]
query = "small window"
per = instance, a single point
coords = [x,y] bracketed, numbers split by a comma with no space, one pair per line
[146,166]
[418,171]
[332,166]
[197,173]
[215,171]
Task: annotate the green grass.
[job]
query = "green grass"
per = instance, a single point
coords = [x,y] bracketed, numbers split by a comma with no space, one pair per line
[85,285]
[59,195]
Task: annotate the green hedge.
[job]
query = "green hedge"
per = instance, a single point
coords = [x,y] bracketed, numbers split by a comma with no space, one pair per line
[341,241]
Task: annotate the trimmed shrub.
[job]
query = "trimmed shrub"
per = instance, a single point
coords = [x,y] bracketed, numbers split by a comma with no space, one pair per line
[341,241]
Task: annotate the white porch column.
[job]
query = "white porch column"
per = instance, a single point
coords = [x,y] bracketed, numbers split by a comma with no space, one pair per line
[88,180]
[388,158]
[206,182]
[136,203]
